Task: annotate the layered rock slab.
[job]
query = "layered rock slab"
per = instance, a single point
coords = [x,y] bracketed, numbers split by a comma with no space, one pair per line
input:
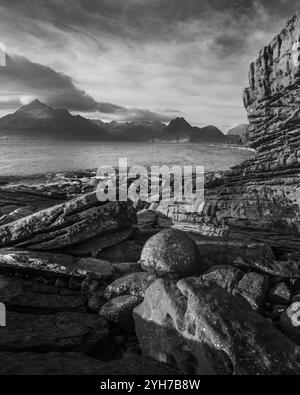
[53,265]
[64,225]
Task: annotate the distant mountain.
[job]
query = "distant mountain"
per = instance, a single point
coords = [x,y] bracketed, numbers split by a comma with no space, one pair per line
[180,130]
[238,133]
[238,130]
[39,121]
[132,131]
[36,120]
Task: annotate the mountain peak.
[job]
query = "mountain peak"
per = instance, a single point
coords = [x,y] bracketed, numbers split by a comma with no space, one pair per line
[34,105]
[179,123]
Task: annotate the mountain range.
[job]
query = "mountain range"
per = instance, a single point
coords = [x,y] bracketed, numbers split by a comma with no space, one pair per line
[238,133]
[39,121]
[180,130]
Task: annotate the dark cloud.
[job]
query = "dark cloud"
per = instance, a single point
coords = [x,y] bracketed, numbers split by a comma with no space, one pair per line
[23,78]
[144,20]
[190,54]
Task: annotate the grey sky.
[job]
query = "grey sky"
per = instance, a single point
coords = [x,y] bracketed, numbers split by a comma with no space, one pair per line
[136,59]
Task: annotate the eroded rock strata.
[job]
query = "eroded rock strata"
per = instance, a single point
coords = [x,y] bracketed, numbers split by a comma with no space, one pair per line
[260,198]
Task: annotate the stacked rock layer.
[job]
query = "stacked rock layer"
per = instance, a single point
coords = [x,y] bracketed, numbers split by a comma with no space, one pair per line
[261,197]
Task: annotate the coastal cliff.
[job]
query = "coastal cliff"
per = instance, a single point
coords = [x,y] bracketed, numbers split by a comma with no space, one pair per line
[260,198]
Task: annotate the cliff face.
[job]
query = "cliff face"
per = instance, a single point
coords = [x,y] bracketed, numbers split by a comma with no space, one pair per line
[261,197]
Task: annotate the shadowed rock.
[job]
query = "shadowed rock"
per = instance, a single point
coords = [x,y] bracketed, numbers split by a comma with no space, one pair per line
[205,330]
[53,332]
[78,364]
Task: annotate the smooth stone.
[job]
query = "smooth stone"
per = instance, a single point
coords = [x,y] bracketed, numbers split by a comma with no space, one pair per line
[171,251]
[119,311]
[134,284]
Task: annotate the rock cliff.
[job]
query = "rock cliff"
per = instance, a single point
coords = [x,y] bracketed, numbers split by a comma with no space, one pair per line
[260,198]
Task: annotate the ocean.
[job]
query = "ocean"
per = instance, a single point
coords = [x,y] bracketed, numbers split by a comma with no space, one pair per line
[18,158]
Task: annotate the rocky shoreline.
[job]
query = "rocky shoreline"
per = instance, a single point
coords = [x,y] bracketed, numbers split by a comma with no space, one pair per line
[110,288]
[80,281]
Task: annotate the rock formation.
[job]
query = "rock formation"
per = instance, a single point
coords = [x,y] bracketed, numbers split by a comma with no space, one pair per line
[68,224]
[202,329]
[260,199]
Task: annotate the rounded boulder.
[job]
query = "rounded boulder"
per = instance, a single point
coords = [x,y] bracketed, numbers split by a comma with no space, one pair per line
[172,251]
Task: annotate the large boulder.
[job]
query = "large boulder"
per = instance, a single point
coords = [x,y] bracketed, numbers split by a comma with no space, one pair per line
[66,224]
[171,251]
[204,330]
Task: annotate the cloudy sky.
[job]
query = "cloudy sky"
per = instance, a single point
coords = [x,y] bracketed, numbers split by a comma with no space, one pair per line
[136,59]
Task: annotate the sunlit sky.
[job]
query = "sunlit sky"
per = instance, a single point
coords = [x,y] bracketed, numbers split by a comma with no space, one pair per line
[136,59]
